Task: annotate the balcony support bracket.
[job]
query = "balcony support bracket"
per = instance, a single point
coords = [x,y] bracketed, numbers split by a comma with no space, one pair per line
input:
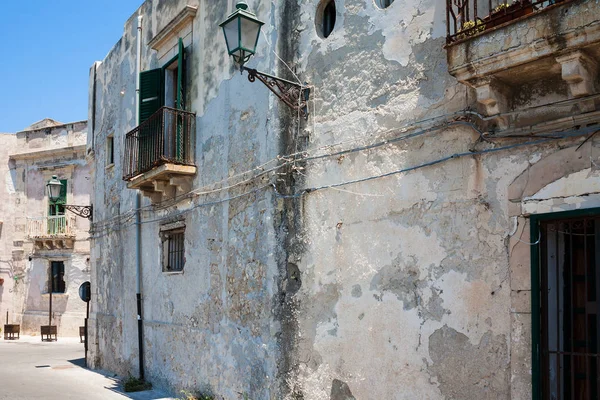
[579,71]
[494,96]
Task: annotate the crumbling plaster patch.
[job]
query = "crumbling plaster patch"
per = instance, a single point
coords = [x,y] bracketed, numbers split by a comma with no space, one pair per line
[390,343]
[419,21]
[469,304]
[467,370]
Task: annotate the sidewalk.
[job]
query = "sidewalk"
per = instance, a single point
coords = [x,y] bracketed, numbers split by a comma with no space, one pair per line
[31,369]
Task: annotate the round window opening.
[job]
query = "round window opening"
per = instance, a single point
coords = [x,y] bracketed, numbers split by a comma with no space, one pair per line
[325,20]
[383,3]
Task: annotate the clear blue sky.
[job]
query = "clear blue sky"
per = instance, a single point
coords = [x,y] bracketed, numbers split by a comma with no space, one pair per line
[47,48]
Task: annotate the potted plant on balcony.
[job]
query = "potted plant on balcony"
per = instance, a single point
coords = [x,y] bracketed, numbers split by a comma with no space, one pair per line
[505,12]
[470,28]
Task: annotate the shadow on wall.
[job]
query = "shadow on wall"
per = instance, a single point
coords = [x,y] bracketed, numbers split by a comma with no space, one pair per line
[11,179]
[75,277]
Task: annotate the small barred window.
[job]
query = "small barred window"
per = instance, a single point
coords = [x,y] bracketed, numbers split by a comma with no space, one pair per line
[173,248]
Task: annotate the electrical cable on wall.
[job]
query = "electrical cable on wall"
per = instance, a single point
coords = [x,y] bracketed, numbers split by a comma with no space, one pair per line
[292,158]
[562,136]
[97,232]
[305,155]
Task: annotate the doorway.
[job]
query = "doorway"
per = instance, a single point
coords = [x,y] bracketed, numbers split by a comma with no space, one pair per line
[569,283]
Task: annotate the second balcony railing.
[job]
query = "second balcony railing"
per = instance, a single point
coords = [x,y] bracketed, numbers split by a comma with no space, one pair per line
[468,17]
[52,226]
[164,138]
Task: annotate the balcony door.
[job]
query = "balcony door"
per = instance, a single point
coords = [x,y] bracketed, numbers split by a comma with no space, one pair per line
[161,132]
[174,78]
[570,286]
[56,212]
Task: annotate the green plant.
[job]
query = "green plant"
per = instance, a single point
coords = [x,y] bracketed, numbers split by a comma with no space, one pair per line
[187,395]
[468,27]
[132,384]
[502,6]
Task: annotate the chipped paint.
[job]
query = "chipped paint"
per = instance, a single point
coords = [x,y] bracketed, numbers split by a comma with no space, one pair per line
[371,289]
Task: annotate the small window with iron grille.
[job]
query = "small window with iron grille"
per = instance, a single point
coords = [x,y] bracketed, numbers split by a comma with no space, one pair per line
[173,247]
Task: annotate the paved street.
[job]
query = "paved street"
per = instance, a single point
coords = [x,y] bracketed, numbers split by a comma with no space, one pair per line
[30,370]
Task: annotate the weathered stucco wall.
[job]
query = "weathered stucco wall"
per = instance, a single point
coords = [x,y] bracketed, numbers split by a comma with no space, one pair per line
[31,158]
[9,269]
[406,286]
[219,309]
[377,258]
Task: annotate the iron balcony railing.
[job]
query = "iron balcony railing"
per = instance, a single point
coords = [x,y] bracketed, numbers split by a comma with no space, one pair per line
[466,18]
[58,225]
[164,138]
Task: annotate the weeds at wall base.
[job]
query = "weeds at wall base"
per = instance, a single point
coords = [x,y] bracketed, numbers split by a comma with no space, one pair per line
[133,384]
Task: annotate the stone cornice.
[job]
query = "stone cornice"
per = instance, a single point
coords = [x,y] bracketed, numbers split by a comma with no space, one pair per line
[176,24]
[49,154]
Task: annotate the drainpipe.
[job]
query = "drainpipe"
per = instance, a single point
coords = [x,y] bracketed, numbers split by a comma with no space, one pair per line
[138,203]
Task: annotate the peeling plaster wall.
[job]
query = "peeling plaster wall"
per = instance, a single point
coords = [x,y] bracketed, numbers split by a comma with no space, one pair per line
[406,280]
[402,287]
[10,290]
[211,327]
[29,159]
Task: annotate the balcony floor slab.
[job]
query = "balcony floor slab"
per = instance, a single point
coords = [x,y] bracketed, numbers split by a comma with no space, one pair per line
[164,172]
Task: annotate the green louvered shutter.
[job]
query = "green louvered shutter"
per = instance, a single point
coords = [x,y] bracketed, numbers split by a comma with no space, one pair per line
[58,207]
[180,77]
[62,198]
[151,93]
[180,101]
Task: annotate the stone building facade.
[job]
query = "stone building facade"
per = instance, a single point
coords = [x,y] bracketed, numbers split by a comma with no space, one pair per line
[394,245]
[41,242]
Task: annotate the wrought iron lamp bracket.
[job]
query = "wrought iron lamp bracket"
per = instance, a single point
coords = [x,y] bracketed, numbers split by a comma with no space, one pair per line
[82,211]
[291,93]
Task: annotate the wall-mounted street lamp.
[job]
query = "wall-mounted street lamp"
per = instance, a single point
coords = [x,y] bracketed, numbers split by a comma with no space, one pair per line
[242,30]
[54,187]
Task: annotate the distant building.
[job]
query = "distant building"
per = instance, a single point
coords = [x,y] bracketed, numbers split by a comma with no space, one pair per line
[42,245]
[431,231]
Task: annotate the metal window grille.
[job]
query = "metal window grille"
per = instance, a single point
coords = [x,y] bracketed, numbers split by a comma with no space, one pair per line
[173,250]
[570,285]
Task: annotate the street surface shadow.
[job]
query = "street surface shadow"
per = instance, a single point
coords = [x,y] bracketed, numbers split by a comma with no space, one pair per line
[143,395]
[117,387]
[80,362]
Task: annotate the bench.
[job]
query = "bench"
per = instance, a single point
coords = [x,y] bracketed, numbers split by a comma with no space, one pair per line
[12,332]
[50,332]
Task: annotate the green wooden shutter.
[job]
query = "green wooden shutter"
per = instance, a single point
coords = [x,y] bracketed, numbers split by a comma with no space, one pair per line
[179,151]
[62,198]
[151,92]
[58,207]
[180,77]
